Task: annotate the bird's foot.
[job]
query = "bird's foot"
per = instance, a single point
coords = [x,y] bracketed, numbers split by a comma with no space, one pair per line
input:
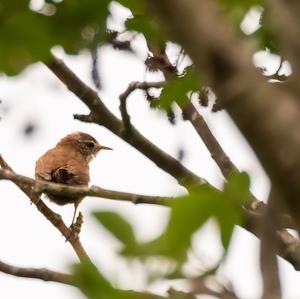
[75,227]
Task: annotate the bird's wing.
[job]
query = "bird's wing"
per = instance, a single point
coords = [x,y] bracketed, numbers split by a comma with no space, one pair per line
[64,167]
[67,175]
[45,165]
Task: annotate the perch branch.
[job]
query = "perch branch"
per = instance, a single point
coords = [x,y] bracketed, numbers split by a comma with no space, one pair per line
[60,189]
[37,273]
[289,246]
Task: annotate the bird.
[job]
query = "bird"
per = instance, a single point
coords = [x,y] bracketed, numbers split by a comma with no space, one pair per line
[68,163]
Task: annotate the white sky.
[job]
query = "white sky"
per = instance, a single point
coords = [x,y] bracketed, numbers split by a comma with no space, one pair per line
[27,239]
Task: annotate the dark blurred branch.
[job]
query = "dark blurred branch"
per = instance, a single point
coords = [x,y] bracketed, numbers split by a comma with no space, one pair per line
[268,250]
[54,218]
[38,273]
[268,116]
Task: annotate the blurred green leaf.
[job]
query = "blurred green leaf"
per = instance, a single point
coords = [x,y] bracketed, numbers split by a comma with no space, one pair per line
[27,36]
[136,6]
[236,194]
[119,227]
[24,39]
[92,283]
[177,91]
[148,27]
[237,188]
[237,9]
[265,39]
[190,212]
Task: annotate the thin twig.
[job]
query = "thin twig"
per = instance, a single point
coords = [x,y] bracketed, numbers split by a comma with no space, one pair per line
[37,273]
[123,98]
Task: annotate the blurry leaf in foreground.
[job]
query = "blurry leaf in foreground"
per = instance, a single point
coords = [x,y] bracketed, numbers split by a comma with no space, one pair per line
[92,283]
[188,214]
[177,90]
[136,6]
[119,227]
[148,27]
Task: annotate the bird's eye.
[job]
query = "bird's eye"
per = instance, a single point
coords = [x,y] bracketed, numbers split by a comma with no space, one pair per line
[89,144]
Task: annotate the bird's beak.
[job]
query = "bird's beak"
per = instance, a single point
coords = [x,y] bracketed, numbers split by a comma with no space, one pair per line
[102,147]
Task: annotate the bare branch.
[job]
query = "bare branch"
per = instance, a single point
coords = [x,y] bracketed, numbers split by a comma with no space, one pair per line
[37,273]
[61,189]
[219,156]
[268,249]
[102,116]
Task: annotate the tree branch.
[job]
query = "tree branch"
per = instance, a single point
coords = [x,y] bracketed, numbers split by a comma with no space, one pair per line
[217,153]
[289,246]
[37,273]
[268,250]
[39,187]
[102,116]
[189,113]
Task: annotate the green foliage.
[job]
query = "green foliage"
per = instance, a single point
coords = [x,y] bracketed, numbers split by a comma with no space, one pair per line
[237,9]
[265,37]
[136,6]
[148,27]
[27,36]
[245,4]
[178,91]
[120,228]
[92,283]
[188,214]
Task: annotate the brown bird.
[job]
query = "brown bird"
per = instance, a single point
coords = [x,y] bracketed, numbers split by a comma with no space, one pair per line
[68,163]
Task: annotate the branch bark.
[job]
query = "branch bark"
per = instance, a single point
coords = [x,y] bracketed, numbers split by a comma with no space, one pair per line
[37,273]
[39,187]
